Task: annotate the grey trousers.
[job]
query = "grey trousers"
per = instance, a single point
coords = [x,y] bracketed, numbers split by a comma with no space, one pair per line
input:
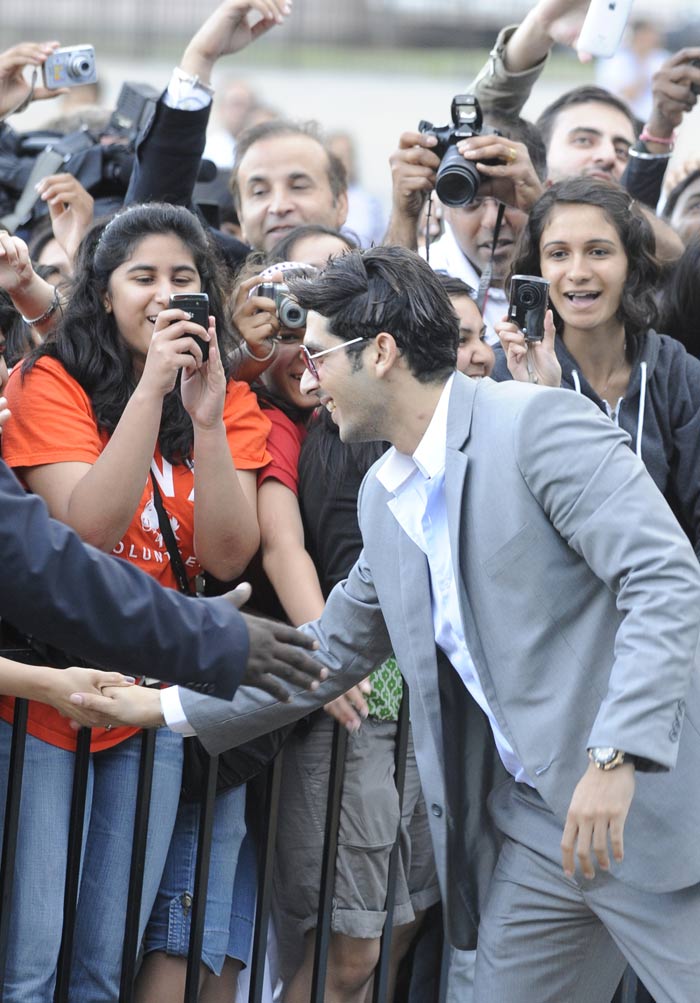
[545,938]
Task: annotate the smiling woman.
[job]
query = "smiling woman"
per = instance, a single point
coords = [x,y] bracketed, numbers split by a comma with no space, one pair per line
[118,401]
[597,250]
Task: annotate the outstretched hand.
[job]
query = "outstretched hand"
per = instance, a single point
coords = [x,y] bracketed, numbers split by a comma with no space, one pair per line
[277,651]
[229,29]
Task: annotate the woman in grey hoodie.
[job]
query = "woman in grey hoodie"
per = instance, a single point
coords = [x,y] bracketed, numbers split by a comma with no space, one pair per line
[593,245]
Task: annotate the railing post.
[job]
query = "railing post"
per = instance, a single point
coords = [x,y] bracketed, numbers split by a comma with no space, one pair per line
[266,867]
[201,881]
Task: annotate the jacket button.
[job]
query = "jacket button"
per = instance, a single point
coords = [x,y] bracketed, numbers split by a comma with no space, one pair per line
[436,809]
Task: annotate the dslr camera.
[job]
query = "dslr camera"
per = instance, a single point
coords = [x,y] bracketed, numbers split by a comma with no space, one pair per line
[289,313]
[70,66]
[529,298]
[457,181]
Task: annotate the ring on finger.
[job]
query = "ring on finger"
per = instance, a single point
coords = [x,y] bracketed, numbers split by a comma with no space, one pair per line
[511,155]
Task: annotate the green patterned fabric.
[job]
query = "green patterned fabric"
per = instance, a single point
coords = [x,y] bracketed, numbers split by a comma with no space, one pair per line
[387,689]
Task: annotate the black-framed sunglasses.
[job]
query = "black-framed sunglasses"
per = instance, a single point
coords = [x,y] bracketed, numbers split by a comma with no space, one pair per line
[309,358]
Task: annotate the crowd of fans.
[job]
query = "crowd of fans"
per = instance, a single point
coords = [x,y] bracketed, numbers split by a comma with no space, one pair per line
[122,405]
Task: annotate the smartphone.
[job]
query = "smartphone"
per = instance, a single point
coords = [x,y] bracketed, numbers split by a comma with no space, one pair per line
[529,299]
[196,304]
[604,27]
[70,66]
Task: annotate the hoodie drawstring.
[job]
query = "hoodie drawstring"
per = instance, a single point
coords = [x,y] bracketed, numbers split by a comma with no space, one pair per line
[642,404]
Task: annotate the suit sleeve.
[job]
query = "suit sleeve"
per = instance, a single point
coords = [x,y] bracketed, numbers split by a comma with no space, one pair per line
[601,500]
[353,640]
[106,611]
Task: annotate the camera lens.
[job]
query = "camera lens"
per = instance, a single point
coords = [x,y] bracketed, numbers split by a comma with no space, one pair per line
[79,67]
[529,295]
[290,314]
[457,180]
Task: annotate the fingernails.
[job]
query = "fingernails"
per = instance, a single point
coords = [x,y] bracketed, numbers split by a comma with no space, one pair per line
[129,679]
[314,685]
[76,698]
[324,672]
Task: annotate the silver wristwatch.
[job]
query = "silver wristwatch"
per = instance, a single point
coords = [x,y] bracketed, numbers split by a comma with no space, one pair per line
[606,758]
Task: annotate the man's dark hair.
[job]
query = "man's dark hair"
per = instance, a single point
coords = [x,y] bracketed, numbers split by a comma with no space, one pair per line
[637,311]
[387,289]
[337,175]
[521,131]
[454,286]
[581,95]
[676,193]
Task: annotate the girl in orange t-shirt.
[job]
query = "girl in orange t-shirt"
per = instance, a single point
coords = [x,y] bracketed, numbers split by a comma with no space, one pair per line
[119,399]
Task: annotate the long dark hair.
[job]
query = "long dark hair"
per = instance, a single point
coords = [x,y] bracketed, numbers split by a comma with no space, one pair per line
[680,304]
[87,342]
[637,310]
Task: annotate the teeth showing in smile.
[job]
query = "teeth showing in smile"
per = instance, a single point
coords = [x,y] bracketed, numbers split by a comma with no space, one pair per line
[330,406]
[582,297]
[151,320]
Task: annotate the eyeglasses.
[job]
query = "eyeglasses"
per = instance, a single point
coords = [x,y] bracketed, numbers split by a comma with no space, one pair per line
[309,358]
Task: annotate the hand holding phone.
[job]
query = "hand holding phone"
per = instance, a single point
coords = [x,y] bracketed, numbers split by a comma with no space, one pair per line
[197,305]
[604,27]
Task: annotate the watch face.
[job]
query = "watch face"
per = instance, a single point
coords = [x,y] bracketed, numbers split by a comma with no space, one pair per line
[604,755]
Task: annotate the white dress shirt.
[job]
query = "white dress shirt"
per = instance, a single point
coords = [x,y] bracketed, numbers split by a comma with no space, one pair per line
[417,484]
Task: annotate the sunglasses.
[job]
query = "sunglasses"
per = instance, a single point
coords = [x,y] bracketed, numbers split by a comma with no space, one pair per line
[308,358]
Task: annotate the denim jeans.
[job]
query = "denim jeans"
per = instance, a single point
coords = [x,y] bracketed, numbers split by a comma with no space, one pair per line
[37,903]
[169,927]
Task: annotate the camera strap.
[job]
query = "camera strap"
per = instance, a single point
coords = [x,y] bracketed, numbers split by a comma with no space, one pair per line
[485,279]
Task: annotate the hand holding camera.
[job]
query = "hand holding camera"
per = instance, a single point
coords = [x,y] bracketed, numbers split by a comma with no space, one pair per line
[14,89]
[505,169]
[527,333]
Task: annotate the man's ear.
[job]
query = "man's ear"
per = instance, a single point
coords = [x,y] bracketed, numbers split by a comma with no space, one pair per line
[341,205]
[387,353]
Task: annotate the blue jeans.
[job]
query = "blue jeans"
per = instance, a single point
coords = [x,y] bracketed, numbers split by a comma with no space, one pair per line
[37,904]
[169,926]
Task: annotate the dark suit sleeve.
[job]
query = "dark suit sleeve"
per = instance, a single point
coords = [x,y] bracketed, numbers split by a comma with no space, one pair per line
[106,611]
[168,154]
[643,178]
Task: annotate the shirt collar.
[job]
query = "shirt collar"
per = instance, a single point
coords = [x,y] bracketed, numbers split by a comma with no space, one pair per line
[429,456]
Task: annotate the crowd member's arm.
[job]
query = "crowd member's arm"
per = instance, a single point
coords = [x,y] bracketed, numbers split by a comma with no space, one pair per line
[521,51]
[33,297]
[169,152]
[70,208]
[255,319]
[413,168]
[226,534]
[55,686]
[14,88]
[673,96]
[534,361]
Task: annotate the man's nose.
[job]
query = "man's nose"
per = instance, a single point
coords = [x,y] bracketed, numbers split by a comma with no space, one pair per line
[605,154]
[489,213]
[309,383]
[280,201]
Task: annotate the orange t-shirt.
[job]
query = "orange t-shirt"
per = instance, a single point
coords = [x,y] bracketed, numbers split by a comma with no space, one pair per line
[53,422]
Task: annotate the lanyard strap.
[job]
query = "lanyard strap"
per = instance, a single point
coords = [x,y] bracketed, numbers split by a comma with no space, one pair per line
[176,562]
[485,280]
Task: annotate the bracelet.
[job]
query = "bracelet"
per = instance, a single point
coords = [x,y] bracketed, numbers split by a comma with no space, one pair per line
[54,305]
[192,79]
[258,358]
[646,137]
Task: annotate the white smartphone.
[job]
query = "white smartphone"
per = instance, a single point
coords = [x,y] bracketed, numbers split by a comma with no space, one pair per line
[604,27]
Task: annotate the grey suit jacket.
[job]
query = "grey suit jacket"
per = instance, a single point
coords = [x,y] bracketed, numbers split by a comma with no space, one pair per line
[580,600]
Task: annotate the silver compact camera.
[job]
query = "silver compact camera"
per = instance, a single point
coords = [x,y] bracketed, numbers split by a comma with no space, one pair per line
[70,66]
[289,313]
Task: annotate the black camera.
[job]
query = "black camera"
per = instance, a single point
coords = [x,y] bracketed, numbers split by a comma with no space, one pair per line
[289,313]
[196,304]
[457,181]
[529,299]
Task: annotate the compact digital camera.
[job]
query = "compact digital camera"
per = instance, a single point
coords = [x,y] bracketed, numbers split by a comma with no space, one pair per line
[196,304]
[289,313]
[457,181]
[529,299]
[70,67]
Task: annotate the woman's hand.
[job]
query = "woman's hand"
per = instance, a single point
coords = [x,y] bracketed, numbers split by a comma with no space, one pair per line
[5,412]
[204,388]
[70,207]
[173,347]
[62,683]
[255,318]
[16,271]
[534,361]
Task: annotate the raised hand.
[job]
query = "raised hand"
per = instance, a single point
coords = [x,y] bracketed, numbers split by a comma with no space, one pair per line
[70,207]
[14,89]
[203,388]
[534,361]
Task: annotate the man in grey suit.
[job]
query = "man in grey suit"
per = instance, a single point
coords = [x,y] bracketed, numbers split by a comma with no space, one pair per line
[544,607]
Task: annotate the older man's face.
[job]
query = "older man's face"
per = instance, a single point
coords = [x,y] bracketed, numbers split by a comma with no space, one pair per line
[283,182]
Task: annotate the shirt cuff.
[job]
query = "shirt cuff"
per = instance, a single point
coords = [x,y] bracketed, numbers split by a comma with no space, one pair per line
[174,715]
[187,93]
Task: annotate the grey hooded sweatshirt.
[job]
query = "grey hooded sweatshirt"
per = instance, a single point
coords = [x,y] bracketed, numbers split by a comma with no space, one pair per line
[661,414]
